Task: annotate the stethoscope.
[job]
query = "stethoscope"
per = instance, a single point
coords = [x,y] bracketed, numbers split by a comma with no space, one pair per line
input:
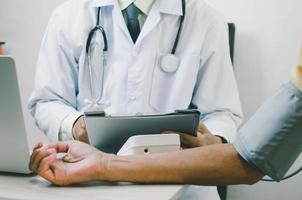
[168,63]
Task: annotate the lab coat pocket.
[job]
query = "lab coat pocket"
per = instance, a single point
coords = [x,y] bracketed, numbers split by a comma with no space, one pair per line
[171,91]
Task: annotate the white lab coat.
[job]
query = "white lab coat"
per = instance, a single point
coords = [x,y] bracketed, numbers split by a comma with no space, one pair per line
[134,82]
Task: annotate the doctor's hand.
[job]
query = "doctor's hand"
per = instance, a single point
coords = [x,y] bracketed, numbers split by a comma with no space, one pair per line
[204,138]
[82,162]
[79,131]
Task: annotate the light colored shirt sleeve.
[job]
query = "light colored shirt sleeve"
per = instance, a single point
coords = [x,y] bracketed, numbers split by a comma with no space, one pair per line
[54,95]
[216,93]
[272,139]
[65,133]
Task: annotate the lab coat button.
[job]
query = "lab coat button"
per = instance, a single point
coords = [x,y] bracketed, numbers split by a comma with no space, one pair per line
[108,103]
[132,98]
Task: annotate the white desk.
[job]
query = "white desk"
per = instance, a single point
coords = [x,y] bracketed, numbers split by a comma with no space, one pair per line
[14,187]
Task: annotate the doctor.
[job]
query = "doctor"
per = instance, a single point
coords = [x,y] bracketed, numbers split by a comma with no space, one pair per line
[147,56]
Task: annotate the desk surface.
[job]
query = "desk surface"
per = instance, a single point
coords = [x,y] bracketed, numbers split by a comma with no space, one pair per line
[19,187]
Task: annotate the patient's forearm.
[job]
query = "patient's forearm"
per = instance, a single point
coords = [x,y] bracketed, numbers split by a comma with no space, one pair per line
[211,165]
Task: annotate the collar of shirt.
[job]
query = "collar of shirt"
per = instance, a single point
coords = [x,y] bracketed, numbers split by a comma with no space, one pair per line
[172,7]
[144,5]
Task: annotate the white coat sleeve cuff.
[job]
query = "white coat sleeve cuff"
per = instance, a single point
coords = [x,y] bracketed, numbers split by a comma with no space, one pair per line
[223,125]
[67,125]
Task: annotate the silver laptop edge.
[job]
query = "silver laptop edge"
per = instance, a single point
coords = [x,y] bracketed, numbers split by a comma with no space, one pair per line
[14,149]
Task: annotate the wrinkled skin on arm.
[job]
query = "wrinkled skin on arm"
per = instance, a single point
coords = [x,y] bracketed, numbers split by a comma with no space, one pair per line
[210,165]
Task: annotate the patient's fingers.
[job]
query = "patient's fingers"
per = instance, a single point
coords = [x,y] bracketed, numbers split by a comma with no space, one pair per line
[45,169]
[61,147]
[38,147]
[42,153]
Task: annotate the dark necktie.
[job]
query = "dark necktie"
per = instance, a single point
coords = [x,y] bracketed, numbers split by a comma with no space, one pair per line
[132,21]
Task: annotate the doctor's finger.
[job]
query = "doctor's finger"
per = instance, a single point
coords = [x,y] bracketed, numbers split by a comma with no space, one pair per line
[39,157]
[170,132]
[84,138]
[203,129]
[188,140]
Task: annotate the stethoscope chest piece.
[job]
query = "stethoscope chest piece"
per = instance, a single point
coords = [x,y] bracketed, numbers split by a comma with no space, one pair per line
[169,63]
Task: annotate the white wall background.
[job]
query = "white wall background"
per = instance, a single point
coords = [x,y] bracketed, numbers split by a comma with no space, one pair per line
[22,24]
[269,33]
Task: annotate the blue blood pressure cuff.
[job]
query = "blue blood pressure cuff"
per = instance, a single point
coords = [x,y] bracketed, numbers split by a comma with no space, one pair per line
[271,140]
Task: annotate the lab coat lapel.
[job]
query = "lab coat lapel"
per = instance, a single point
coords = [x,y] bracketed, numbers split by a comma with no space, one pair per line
[119,20]
[171,7]
[102,3]
[151,22]
[117,15]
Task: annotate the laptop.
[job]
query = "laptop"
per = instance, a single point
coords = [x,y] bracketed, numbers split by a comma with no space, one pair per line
[14,147]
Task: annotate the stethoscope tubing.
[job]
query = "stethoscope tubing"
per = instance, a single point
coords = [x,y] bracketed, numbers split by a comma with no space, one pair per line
[98,27]
[182,18]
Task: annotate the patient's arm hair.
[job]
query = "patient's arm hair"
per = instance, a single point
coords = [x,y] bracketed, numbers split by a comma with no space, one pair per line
[210,165]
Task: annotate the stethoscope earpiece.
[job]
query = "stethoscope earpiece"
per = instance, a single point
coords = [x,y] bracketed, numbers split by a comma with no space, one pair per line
[169,63]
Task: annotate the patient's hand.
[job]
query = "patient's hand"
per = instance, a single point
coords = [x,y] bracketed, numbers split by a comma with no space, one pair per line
[204,138]
[82,162]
